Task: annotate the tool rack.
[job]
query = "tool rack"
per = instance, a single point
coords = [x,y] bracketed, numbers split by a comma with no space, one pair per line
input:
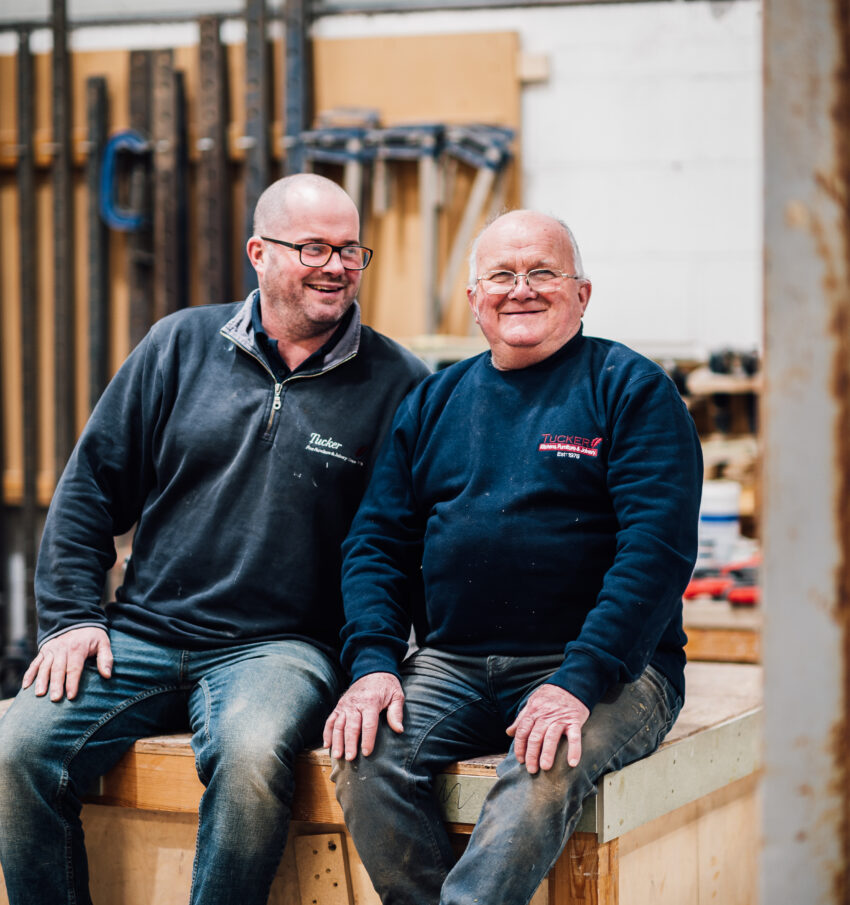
[139,143]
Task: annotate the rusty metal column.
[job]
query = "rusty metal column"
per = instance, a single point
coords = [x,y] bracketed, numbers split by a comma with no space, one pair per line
[806,483]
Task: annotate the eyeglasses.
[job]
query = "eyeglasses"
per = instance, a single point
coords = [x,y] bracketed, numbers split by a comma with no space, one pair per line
[501,282]
[317,254]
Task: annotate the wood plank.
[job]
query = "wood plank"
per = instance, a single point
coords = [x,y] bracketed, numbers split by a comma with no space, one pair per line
[323,875]
[159,773]
[724,645]
[716,839]
[586,873]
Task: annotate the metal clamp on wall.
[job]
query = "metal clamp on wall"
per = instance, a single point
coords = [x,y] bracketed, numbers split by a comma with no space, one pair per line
[115,215]
[480,145]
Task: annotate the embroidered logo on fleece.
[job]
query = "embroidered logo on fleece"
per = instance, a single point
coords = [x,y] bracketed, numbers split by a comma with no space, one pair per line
[569,446]
[327,446]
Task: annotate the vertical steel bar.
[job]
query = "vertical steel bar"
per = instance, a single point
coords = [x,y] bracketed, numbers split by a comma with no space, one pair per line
[97,114]
[806,476]
[28,270]
[63,244]
[213,188]
[140,243]
[257,104]
[169,186]
[298,88]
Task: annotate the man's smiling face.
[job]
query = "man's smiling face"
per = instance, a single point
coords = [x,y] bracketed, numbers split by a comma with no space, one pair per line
[308,300]
[525,326]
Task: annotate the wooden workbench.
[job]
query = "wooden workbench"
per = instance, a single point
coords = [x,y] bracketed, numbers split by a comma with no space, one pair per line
[677,828]
[718,631]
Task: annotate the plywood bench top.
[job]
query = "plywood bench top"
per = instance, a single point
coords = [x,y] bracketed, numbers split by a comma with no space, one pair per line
[715,741]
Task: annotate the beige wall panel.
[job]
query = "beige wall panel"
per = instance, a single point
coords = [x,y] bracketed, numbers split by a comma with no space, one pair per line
[427,78]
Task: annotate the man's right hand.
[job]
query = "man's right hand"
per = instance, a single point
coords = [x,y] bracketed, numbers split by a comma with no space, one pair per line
[355,717]
[59,663]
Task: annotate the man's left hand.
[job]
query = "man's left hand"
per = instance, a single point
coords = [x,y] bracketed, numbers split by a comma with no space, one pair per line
[550,713]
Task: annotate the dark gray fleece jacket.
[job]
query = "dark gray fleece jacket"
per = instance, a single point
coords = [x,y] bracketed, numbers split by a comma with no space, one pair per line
[242,485]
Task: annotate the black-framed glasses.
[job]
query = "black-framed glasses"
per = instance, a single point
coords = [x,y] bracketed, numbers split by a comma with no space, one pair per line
[317,254]
[542,279]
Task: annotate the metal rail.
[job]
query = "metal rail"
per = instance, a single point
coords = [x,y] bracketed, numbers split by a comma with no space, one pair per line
[320,8]
[140,242]
[97,115]
[64,340]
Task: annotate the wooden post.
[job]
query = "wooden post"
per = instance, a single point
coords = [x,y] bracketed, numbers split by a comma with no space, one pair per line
[587,873]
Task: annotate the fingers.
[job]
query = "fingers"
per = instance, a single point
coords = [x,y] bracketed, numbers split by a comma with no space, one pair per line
[344,727]
[58,666]
[352,727]
[328,730]
[549,714]
[395,714]
[368,731]
[58,670]
[104,658]
[573,746]
[32,671]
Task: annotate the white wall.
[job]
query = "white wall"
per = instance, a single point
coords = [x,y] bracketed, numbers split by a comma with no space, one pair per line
[647,140]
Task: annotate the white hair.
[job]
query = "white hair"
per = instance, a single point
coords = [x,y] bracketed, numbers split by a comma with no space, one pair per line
[473,252]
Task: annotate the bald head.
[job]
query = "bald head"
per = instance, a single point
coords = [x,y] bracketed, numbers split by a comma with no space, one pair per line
[527,223]
[535,295]
[301,191]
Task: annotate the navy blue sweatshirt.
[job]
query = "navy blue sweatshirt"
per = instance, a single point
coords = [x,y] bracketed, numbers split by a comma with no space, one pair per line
[242,484]
[546,510]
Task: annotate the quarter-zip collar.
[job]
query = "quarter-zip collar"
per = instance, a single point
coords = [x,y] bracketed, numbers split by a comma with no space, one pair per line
[240,330]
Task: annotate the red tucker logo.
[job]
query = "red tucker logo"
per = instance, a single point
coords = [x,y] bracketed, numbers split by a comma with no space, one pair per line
[565,444]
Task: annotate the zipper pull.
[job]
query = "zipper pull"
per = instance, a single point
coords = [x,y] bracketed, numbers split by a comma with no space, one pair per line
[278,388]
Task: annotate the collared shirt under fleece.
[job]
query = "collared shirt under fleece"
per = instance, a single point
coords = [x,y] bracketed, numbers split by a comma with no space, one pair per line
[241,485]
[546,510]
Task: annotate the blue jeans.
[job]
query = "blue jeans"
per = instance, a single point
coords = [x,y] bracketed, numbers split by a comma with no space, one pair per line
[458,707]
[251,709]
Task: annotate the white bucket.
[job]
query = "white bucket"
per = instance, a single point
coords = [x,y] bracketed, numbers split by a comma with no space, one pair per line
[719,523]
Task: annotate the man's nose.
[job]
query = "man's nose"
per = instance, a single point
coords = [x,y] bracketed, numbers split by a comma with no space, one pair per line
[334,263]
[521,288]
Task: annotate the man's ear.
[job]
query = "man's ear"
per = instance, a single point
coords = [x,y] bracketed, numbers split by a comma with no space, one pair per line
[470,295]
[256,251]
[584,290]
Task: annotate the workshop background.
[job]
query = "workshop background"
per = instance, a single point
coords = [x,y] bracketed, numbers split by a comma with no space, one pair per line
[135,139]
[130,160]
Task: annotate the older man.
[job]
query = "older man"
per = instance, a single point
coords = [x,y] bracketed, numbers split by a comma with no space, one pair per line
[238,439]
[533,515]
